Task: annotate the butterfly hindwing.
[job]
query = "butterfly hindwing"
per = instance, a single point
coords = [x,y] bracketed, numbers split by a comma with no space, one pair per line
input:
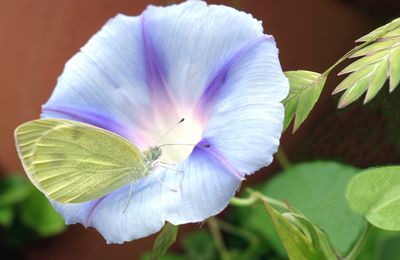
[73,162]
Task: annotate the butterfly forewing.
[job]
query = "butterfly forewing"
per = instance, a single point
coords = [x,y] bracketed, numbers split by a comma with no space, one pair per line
[73,162]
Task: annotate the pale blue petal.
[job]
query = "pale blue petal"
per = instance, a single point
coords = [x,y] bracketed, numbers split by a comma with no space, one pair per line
[193,41]
[202,189]
[245,116]
[143,215]
[108,77]
[213,59]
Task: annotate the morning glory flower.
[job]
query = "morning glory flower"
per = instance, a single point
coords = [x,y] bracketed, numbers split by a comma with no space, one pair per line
[138,76]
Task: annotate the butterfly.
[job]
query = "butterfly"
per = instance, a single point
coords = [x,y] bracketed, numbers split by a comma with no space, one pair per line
[73,162]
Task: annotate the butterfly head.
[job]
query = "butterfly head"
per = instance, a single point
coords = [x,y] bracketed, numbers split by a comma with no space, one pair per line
[152,154]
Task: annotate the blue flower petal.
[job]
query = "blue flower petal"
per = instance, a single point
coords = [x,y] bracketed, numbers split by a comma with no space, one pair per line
[143,215]
[203,188]
[245,120]
[107,77]
[139,70]
[200,187]
[194,40]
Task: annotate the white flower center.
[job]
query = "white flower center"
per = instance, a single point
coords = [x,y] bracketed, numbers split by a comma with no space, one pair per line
[181,139]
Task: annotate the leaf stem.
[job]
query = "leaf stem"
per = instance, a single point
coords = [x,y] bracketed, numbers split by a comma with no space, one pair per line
[272,201]
[254,197]
[359,244]
[282,159]
[217,236]
[243,202]
[252,239]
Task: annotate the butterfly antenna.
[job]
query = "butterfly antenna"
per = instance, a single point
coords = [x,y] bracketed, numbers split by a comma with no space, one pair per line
[203,145]
[169,130]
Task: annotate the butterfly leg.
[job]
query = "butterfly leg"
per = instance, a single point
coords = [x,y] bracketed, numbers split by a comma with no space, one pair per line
[165,163]
[158,164]
[164,185]
[131,190]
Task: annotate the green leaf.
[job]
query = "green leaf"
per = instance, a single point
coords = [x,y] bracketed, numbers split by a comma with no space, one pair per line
[301,239]
[390,248]
[375,193]
[386,31]
[200,246]
[305,89]
[380,60]
[167,256]
[318,190]
[6,215]
[13,189]
[164,240]
[381,244]
[37,213]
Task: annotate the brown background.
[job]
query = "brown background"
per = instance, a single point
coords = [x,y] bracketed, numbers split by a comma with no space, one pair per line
[38,36]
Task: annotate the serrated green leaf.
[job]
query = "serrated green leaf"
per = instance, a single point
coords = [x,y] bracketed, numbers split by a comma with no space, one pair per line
[305,89]
[392,34]
[377,80]
[380,60]
[164,240]
[354,92]
[362,63]
[382,31]
[37,213]
[369,79]
[301,239]
[375,193]
[376,47]
[394,68]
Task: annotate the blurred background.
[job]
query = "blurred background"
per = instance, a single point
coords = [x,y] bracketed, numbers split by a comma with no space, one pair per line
[37,37]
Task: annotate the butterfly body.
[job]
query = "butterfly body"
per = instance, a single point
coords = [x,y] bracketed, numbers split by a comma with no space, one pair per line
[73,162]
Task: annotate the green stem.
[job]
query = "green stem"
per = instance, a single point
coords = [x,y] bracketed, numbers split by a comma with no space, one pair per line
[256,196]
[271,201]
[252,239]
[243,202]
[282,159]
[217,236]
[359,244]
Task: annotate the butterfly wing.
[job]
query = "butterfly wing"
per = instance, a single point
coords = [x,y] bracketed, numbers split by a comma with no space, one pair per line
[73,162]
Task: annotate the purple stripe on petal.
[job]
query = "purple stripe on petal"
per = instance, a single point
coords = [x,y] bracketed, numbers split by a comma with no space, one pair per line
[156,82]
[213,89]
[207,147]
[91,117]
[92,208]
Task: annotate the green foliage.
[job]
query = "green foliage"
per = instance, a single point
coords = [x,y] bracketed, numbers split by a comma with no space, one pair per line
[6,215]
[196,246]
[380,59]
[13,189]
[317,189]
[25,213]
[301,239]
[375,193]
[37,213]
[381,245]
[164,240]
[200,246]
[305,89]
